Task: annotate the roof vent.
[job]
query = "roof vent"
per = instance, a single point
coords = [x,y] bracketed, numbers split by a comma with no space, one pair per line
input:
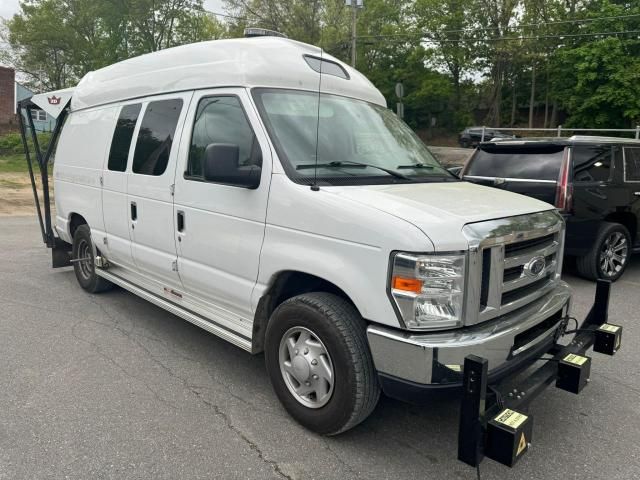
[262,32]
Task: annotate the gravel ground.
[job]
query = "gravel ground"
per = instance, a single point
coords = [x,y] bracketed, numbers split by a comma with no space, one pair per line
[110,387]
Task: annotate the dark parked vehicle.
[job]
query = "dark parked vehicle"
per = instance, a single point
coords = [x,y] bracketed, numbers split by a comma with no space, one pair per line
[472,136]
[593,181]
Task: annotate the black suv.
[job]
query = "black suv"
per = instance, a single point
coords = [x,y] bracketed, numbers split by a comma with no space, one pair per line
[593,181]
[472,136]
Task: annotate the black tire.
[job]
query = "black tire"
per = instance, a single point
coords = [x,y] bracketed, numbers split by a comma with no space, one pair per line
[339,327]
[590,266]
[85,271]
[465,143]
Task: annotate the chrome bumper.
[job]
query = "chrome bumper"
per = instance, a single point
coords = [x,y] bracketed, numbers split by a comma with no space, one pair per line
[438,358]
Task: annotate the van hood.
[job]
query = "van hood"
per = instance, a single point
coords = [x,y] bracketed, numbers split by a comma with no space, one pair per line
[440,210]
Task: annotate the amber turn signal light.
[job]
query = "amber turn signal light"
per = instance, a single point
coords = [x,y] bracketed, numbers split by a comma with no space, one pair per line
[407,284]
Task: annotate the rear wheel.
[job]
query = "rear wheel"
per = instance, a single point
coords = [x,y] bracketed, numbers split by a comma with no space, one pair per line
[84,262]
[609,255]
[319,362]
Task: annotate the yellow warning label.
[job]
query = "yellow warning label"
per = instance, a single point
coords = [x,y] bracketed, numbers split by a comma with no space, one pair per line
[455,368]
[609,328]
[522,445]
[511,418]
[575,359]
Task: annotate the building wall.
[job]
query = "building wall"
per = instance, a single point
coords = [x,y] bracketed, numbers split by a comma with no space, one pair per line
[45,125]
[7,95]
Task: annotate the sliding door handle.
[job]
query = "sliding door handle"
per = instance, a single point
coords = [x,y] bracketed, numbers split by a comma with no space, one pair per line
[180,221]
[134,211]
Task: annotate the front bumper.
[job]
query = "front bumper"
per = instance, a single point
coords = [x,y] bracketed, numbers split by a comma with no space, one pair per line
[437,359]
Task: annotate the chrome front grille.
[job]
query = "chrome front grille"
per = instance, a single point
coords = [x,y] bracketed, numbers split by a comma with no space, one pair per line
[513,261]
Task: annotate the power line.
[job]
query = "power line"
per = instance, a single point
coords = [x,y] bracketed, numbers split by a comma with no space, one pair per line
[225,15]
[482,29]
[532,37]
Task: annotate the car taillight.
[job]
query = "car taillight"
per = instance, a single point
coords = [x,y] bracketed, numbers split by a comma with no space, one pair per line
[564,190]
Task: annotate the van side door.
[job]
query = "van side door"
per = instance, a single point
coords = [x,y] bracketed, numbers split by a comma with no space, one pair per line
[220,227]
[150,189]
[114,190]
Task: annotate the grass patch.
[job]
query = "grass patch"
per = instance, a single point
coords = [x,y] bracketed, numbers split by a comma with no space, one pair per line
[14,162]
[12,157]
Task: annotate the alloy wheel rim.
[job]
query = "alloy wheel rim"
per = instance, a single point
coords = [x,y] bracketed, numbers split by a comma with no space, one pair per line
[306,367]
[614,254]
[86,266]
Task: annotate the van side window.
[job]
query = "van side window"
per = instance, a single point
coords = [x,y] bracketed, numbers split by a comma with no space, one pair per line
[122,135]
[221,119]
[156,137]
[591,164]
[632,164]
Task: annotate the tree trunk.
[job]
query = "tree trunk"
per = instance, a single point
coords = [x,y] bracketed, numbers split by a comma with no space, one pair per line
[546,98]
[456,88]
[533,94]
[554,114]
[493,116]
[514,102]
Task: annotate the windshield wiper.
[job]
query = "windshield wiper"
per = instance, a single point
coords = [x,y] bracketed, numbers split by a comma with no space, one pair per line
[444,175]
[417,166]
[348,163]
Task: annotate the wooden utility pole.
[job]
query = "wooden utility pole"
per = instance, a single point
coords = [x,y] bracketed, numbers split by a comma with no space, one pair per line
[355,5]
[354,24]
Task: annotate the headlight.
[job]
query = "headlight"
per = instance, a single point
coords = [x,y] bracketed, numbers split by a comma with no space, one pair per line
[429,289]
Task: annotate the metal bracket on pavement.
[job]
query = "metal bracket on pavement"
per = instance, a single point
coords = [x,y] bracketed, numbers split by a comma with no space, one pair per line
[482,400]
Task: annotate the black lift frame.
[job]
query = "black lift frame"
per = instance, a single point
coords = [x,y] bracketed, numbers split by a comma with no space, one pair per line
[59,248]
[482,400]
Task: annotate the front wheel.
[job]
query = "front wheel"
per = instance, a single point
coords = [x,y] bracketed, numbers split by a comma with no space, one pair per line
[609,255]
[319,363]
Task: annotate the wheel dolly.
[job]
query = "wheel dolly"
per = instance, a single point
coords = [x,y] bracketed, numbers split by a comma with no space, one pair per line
[491,420]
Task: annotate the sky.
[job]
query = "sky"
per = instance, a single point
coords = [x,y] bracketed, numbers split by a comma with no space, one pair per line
[10,7]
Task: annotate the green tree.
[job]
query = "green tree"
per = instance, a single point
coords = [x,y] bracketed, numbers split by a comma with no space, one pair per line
[55,42]
[595,77]
[444,24]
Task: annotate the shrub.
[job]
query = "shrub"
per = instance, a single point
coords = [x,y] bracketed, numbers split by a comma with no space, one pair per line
[11,143]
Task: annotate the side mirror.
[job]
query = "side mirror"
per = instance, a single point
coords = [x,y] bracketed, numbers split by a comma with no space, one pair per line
[455,171]
[221,165]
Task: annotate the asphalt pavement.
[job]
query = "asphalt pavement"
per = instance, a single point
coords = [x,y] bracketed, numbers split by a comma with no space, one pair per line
[109,386]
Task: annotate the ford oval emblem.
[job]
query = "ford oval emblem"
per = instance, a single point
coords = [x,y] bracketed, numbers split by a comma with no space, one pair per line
[535,267]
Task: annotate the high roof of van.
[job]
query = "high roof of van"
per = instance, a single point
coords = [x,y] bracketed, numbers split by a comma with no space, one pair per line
[244,62]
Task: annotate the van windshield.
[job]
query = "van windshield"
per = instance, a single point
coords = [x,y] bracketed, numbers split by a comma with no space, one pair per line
[357,142]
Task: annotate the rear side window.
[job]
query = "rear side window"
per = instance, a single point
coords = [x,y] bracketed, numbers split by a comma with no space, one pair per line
[632,164]
[221,120]
[540,163]
[591,164]
[122,135]
[156,137]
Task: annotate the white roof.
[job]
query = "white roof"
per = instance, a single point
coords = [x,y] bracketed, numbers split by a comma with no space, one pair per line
[246,62]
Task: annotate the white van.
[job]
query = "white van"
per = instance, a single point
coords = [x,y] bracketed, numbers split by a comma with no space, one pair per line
[291,212]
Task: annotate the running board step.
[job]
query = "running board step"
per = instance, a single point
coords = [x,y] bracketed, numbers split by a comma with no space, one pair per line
[199,321]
